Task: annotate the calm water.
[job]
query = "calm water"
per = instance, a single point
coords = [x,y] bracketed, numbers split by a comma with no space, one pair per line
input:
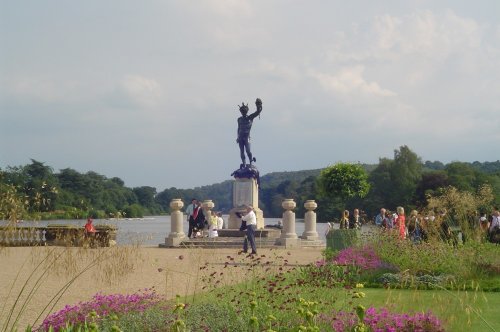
[151,231]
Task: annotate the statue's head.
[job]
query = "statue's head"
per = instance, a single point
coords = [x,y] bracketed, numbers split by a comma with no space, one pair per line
[243,108]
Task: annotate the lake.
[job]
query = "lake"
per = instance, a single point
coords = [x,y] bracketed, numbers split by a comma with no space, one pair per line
[151,231]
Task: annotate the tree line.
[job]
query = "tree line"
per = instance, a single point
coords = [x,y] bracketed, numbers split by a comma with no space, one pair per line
[404,180]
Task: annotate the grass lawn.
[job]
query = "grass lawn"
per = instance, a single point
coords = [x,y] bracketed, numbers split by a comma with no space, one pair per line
[456,308]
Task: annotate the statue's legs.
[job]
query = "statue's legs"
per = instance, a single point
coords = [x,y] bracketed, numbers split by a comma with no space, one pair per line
[249,152]
[242,152]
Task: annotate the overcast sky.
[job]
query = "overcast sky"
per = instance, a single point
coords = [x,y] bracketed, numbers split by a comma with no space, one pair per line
[148,90]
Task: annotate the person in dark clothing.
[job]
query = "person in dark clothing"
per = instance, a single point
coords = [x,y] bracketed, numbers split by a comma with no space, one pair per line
[195,218]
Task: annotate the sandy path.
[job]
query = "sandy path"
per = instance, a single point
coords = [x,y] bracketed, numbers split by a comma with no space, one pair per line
[125,270]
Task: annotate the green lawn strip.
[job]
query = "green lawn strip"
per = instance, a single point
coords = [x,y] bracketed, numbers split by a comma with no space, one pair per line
[453,307]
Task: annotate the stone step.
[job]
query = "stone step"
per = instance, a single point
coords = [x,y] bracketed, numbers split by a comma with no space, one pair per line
[237,242]
[259,233]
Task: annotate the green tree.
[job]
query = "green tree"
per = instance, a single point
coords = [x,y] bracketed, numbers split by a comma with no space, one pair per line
[406,174]
[41,186]
[145,195]
[430,184]
[342,181]
[395,181]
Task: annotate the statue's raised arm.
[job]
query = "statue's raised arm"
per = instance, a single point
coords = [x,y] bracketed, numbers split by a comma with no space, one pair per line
[245,122]
[258,104]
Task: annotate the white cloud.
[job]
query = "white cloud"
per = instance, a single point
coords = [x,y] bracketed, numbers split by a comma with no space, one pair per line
[144,91]
[229,8]
[349,81]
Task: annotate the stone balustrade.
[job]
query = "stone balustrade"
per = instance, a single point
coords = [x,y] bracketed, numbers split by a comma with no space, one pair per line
[61,235]
[287,237]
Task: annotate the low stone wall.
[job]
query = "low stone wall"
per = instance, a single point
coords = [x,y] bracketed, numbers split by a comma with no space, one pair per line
[59,235]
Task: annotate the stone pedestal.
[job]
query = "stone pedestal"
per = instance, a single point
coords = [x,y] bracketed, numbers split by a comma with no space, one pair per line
[288,236]
[245,192]
[310,232]
[207,207]
[176,235]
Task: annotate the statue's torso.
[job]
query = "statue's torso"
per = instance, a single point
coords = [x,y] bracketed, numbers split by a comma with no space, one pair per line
[244,126]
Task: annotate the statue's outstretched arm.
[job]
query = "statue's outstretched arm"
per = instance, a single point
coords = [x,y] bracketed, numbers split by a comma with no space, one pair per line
[258,103]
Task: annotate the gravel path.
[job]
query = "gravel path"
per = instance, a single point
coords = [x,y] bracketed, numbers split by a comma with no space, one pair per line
[126,270]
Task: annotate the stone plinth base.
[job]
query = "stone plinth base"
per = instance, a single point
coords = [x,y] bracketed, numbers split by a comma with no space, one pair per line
[174,241]
[312,236]
[289,243]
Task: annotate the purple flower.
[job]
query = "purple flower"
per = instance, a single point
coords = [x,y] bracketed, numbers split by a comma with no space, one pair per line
[364,257]
[384,321]
[102,305]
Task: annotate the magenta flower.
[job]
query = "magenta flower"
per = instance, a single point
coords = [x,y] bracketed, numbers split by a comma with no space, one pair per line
[365,258]
[384,321]
[101,305]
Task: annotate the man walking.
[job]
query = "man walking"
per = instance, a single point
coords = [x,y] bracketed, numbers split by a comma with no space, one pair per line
[251,224]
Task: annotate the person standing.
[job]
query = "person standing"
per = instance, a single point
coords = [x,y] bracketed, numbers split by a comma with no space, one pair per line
[379,219]
[212,225]
[494,230]
[251,224]
[400,222]
[220,220]
[200,220]
[190,217]
[355,220]
[414,229]
[344,220]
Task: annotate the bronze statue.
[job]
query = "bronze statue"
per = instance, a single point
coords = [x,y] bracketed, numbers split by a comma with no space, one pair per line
[244,125]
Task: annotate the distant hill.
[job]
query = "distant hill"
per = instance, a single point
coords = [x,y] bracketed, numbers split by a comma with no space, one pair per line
[489,167]
[275,178]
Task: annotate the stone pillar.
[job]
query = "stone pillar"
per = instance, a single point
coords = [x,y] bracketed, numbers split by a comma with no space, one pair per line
[310,232]
[176,235]
[207,206]
[288,236]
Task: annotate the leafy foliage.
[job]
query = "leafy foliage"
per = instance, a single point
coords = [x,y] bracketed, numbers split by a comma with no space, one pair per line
[344,180]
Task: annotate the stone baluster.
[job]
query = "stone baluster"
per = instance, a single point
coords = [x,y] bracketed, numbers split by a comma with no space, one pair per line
[176,235]
[208,205]
[18,238]
[310,232]
[25,238]
[32,236]
[288,236]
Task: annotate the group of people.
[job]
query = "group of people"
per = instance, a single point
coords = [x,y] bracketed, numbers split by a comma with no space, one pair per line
[198,222]
[421,226]
[389,220]
[354,221]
